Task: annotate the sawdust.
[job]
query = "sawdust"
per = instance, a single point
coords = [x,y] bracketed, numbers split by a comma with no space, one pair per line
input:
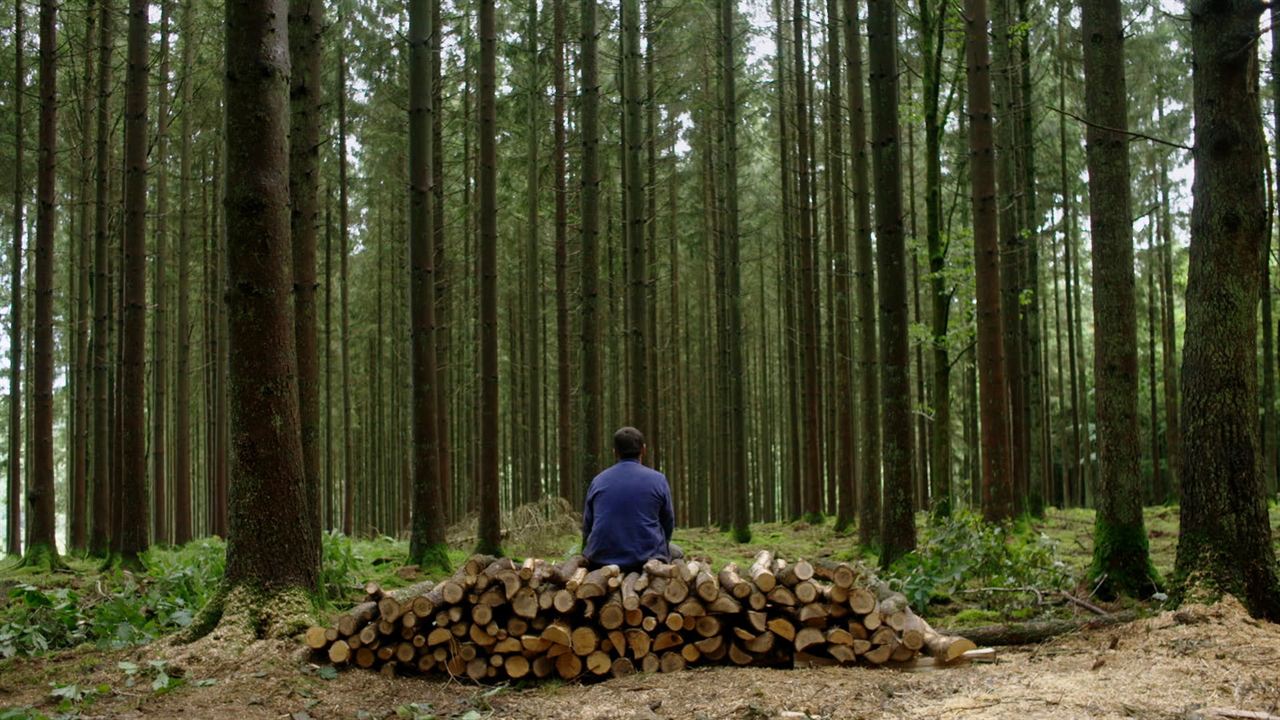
[1173,665]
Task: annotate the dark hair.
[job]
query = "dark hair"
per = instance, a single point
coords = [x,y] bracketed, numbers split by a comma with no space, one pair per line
[628,442]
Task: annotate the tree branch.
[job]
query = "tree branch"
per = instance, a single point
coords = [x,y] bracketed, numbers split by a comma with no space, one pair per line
[1131,133]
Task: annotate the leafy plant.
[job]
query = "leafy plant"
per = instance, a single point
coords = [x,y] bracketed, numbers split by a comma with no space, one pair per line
[964,554]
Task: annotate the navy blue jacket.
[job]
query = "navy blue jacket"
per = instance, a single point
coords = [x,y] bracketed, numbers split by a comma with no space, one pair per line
[628,517]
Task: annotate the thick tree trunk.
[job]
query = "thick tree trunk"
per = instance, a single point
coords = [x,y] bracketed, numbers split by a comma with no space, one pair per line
[1120,561]
[131,540]
[13,529]
[42,548]
[897,530]
[273,541]
[1225,539]
[488,489]
[426,542]
[997,463]
[306,25]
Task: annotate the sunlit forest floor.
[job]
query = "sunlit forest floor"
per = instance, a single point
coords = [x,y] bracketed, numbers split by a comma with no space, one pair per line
[90,644]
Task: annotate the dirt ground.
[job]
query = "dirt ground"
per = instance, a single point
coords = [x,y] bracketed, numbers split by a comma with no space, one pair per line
[1191,663]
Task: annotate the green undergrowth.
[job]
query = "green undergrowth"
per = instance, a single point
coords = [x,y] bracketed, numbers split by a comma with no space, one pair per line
[964,572]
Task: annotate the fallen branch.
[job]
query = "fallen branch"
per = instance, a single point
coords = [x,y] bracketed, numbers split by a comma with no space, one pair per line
[1039,631]
[1084,604]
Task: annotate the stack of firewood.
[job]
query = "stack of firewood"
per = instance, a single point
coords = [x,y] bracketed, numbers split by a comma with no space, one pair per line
[496,619]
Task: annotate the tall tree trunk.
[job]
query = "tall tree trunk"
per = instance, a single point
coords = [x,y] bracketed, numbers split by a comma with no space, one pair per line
[132,537]
[590,292]
[426,542]
[897,529]
[1225,539]
[1120,561]
[77,536]
[737,396]
[273,541]
[633,140]
[1011,254]
[844,421]
[864,276]
[100,535]
[564,370]
[1039,459]
[1169,338]
[348,449]
[997,461]
[1157,477]
[811,485]
[13,530]
[932,49]
[160,324]
[490,513]
[306,26]
[182,428]
[42,548]
[533,273]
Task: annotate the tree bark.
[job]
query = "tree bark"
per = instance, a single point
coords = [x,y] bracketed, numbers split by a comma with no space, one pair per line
[131,539]
[811,487]
[426,542]
[1120,561]
[1225,538]
[182,428]
[997,463]
[564,360]
[533,273]
[590,180]
[488,489]
[864,277]
[897,530]
[737,395]
[846,451]
[273,540]
[77,511]
[100,535]
[633,139]
[160,325]
[13,530]
[306,25]
[42,548]
[348,448]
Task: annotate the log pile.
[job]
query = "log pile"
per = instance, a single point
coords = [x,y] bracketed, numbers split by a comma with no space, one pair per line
[497,619]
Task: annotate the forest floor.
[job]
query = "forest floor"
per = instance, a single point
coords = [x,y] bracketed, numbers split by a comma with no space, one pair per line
[1186,663]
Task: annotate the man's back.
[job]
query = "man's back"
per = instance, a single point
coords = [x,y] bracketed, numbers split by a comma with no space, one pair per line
[628,516]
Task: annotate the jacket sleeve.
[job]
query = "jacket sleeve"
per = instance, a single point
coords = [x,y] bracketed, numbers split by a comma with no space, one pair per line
[588,519]
[667,515]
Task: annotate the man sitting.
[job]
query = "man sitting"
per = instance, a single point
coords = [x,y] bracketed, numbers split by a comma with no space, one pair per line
[628,516]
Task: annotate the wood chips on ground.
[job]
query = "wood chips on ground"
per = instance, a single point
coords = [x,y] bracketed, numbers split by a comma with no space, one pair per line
[1188,663]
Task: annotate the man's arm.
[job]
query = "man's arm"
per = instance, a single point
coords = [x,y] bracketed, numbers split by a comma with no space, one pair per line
[588,519]
[667,515]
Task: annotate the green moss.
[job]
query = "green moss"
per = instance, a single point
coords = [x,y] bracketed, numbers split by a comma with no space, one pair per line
[1121,562]
[485,548]
[42,556]
[970,617]
[742,535]
[432,557]
[814,518]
